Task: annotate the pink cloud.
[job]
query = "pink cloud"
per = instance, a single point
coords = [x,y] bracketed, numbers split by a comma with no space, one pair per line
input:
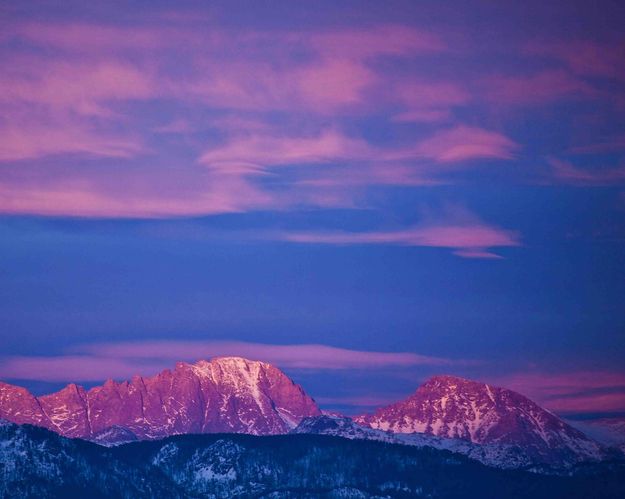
[224,68]
[572,392]
[74,37]
[347,43]
[30,139]
[428,94]
[585,57]
[463,143]
[307,356]
[93,72]
[540,88]
[53,107]
[343,166]
[80,87]
[255,149]
[468,240]
[82,196]
[73,368]
[323,86]
[424,101]
[565,172]
[445,237]
[122,360]
[395,40]
[334,83]
[451,145]
[476,253]
[80,99]
[337,74]
[364,174]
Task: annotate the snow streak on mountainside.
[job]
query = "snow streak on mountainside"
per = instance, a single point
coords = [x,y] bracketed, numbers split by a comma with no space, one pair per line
[227,394]
[452,407]
[497,455]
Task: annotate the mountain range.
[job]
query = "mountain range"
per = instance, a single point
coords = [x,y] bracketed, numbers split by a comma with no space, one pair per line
[225,395]
[495,426]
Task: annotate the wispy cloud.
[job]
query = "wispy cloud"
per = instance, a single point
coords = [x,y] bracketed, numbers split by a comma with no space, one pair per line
[394,40]
[31,139]
[585,57]
[78,86]
[429,101]
[65,107]
[271,150]
[461,232]
[75,92]
[467,241]
[566,173]
[84,196]
[572,392]
[463,143]
[565,393]
[539,88]
[358,105]
[122,360]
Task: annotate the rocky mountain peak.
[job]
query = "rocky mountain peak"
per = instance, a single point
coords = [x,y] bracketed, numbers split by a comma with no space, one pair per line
[453,407]
[226,394]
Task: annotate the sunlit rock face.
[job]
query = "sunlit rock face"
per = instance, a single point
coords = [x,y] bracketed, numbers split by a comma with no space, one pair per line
[19,406]
[227,394]
[452,407]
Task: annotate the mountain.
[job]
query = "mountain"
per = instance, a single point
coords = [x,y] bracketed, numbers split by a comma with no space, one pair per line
[492,425]
[341,426]
[35,462]
[608,431]
[499,455]
[227,394]
[452,407]
[115,435]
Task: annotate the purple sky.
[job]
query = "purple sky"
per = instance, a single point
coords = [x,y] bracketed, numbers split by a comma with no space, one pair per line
[364,193]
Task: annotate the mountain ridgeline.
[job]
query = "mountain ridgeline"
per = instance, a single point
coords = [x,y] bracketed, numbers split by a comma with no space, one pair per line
[494,426]
[225,395]
[454,408]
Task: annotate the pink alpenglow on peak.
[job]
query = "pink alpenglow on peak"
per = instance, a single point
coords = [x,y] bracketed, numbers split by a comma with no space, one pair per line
[225,394]
[452,407]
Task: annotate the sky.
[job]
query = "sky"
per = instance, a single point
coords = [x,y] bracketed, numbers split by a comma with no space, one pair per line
[363,193]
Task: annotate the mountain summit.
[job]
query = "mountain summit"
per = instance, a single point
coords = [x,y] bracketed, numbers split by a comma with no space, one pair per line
[225,394]
[235,395]
[453,407]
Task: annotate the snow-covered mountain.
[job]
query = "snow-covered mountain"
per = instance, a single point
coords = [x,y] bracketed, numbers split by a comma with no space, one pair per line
[227,394]
[492,425]
[499,455]
[456,408]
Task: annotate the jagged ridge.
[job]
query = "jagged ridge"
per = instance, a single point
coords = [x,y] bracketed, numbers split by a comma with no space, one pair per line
[227,394]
